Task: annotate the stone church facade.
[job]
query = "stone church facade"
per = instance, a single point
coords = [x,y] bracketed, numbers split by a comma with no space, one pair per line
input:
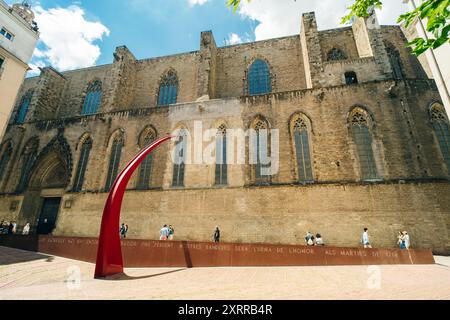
[363,142]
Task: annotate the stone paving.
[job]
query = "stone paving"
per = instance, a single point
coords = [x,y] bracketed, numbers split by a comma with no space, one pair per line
[30,275]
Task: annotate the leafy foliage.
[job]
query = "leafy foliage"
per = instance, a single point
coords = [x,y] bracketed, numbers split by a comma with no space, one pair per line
[435,12]
[437,16]
[234,4]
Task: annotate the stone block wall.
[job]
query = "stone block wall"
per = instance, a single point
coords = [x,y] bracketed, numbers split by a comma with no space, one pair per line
[411,192]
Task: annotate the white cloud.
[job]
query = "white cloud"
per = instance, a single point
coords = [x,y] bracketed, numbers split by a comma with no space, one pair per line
[35,68]
[67,38]
[282,17]
[195,2]
[233,38]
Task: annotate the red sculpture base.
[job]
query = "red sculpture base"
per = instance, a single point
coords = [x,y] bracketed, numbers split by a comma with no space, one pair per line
[109,252]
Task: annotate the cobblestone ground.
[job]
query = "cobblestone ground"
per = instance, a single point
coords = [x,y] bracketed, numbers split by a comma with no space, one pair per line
[29,275]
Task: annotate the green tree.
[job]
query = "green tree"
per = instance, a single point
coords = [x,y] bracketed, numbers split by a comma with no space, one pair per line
[435,12]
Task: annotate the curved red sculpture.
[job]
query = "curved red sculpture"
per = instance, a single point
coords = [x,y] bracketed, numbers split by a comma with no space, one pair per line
[109,252]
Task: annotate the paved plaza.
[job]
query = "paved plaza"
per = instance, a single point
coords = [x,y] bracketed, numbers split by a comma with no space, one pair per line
[30,275]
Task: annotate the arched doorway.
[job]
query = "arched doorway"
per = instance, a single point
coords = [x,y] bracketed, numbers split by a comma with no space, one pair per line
[47,182]
[50,180]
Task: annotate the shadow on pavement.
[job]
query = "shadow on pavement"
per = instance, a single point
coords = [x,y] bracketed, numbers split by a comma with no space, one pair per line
[13,256]
[124,276]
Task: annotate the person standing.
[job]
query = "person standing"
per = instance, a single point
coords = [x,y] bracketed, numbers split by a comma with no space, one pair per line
[406,241]
[309,239]
[217,234]
[171,232]
[400,241]
[319,240]
[26,229]
[11,228]
[365,239]
[164,233]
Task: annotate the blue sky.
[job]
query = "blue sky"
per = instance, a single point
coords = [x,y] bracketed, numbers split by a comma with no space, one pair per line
[82,33]
[158,27]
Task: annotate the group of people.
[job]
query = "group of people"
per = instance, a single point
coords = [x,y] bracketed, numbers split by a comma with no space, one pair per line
[402,239]
[166,232]
[7,227]
[312,240]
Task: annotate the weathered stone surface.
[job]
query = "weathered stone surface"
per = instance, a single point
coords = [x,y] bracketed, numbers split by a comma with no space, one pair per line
[413,191]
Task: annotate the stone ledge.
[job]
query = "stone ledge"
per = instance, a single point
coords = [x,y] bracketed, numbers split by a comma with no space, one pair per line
[154,253]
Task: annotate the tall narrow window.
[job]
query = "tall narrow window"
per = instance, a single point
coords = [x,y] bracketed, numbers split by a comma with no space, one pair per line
[179,159]
[4,159]
[114,160]
[28,157]
[442,131]
[24,106]
[261,153]
[82,164]
[302,151]
[221,156]
[145,168]
[258,78]
[363,141]
[168,89]
[350,78]
[395,61]
[2,60]
[93,98]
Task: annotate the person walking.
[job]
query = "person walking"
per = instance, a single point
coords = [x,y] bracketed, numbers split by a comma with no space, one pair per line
[26,229]
[171,232]
[123,231]
[164,233]
[365,239]
[217,234]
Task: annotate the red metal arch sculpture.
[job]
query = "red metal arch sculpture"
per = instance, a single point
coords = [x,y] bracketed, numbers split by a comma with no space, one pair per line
[109,252]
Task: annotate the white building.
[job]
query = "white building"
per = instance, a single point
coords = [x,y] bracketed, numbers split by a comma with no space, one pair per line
[437,61]
[18,37]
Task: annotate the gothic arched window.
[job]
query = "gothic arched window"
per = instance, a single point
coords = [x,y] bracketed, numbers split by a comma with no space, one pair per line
[82,164]
[93,98]
[28,157]
[441,128]
[350,77]
[260,152]
[302,150]
[258,78]
[179,159]
[114,160]
[168,89]
[336,54]
[4,159]
[221,156]
[145,169]
[24,106]
[395,61]
[362,136]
